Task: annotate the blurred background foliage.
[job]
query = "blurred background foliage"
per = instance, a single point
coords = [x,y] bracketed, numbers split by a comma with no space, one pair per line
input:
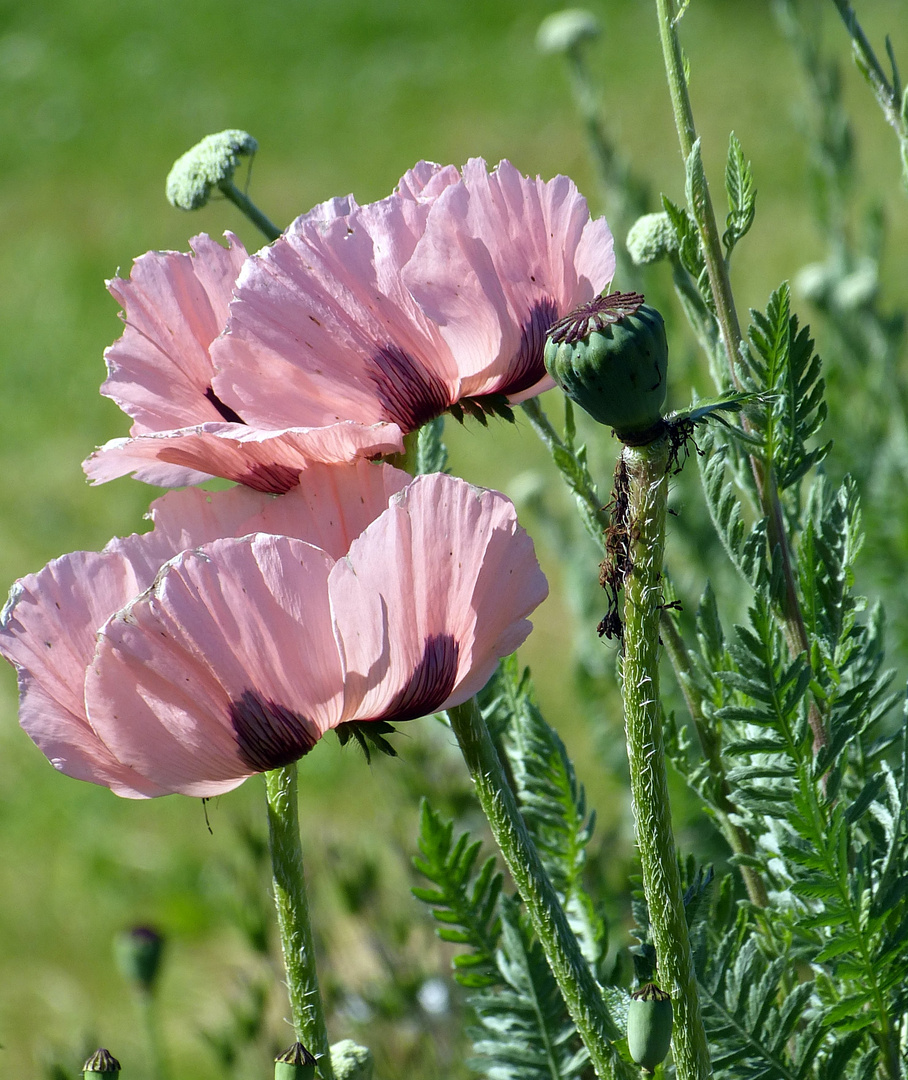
[97,98]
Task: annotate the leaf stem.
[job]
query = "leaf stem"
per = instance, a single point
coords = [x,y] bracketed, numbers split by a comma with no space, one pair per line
[647,496]
[293,915]
[581,994]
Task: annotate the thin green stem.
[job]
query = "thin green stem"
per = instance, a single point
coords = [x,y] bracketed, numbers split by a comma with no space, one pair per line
[293,915]
[595,517]
[886,93]
[647,495]
[241,200]
[157,1065]
[730,328]
[581,994]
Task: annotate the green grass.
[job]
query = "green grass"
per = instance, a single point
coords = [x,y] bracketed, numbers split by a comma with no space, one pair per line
[97,98]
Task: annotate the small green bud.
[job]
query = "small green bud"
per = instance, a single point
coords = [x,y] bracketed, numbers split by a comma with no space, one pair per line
[296,1063]
[138,955]
[102,1061]
[351,1061]
[651,238]
[566,30]
[649,1026]
[610,357]
[210,163]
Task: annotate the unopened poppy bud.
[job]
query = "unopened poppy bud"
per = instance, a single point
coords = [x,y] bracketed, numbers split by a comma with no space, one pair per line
[138,955]
[102,1061]
[651,238]
[610,357]
[296,1063]
[649,1026]
[351,1061]
[209,163]
[565,30]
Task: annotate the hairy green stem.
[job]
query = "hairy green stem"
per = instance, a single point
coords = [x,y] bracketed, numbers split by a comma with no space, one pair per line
[293,915]
[647,497]
[730,329]
[581,994]
[242,201]
[596,519]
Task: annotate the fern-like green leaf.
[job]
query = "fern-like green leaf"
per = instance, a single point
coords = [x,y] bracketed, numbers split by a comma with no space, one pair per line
[739,186]
[465,905]
[523,1030]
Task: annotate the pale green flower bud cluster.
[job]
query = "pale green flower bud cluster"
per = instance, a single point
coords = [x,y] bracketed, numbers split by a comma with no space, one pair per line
[567,30]
[209,163]
[351,1061]
[651,238]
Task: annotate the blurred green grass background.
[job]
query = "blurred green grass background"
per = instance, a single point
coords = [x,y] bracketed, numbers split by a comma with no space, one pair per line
[97,98]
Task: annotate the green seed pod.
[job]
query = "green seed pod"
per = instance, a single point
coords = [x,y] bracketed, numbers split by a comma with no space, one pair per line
[610,357]
[102,1061]
[296,1063]
[649,1026]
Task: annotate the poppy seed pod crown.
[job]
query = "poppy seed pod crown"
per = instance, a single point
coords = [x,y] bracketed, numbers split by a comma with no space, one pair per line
[610,357]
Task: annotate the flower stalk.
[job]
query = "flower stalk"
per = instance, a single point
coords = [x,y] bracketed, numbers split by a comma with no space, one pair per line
[581,994]
[647,493]
[246,206]
[293,915]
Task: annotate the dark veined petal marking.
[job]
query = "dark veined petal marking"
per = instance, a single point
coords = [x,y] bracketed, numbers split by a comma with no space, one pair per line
[270,477]
[527,367]
[267,734]
[226,412]
[430,684]
[410,394]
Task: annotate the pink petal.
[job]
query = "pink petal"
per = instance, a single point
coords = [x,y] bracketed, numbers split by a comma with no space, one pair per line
[322,328]
[263,460]
[175,305]
[336,503]
[226,667]
[502,258]
[430,597]
[48,629]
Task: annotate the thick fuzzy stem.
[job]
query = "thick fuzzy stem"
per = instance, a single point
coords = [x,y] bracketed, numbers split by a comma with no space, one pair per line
[582,996]
[647,491]
[293,915]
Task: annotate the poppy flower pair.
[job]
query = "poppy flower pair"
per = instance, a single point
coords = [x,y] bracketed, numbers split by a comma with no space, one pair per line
[326,589]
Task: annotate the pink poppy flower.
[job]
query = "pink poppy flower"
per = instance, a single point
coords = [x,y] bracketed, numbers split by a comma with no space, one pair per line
[160,374]
[400,309]
[241,628]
